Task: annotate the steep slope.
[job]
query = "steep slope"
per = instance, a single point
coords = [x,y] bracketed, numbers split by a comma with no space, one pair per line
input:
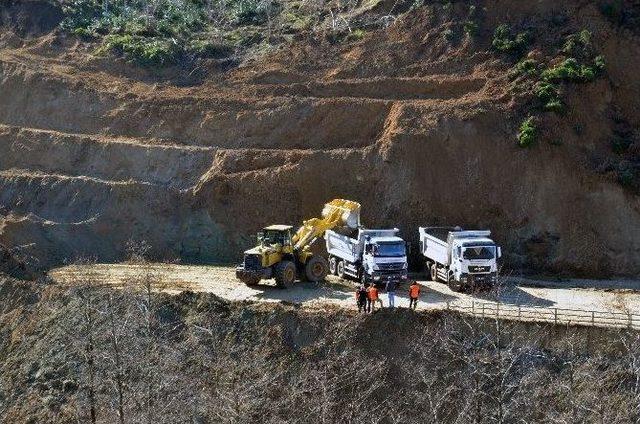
[419,128]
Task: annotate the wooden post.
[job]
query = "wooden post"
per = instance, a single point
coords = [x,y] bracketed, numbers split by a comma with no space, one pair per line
[555,315]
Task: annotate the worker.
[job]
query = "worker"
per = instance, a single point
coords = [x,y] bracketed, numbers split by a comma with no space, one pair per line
[414,294]
[373,299]
[391,293]
[361,298]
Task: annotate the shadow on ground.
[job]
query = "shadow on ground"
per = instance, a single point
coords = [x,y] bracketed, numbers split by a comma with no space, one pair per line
[513,295]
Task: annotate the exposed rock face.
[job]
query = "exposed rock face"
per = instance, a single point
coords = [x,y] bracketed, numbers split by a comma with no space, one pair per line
[420,131]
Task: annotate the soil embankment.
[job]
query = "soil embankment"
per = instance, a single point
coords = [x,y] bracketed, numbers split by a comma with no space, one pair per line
[418,128]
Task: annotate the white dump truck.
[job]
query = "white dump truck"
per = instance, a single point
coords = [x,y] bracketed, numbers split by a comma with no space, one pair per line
[373,256]
[461,258]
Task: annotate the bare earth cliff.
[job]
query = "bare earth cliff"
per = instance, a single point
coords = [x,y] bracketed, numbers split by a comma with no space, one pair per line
[416,119]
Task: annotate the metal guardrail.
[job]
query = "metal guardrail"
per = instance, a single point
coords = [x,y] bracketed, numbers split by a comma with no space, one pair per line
[549,315]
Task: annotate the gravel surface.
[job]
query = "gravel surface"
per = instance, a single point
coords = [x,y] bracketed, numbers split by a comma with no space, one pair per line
[221,281]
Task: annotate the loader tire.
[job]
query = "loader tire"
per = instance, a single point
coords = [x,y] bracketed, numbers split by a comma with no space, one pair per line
[285,274]
[340,269]
[333,265]
[316,269]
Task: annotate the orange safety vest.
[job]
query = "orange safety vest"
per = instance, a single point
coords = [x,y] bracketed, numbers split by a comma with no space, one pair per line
[414,291]
[373,293]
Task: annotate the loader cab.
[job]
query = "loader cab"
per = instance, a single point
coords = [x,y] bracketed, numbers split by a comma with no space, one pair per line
[275,234]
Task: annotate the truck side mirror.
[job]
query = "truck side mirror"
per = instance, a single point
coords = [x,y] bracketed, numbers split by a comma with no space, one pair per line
[499,252]
[260,237]
[408,248]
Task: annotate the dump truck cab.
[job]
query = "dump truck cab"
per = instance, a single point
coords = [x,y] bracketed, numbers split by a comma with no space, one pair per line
[374,256]
[463,259]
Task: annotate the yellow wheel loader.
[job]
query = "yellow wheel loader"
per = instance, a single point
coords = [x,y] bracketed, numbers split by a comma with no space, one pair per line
[286,255]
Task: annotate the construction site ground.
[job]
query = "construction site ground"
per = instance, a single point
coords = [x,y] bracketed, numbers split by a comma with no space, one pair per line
[618,297]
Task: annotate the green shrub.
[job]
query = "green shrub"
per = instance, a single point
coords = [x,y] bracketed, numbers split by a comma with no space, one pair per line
[613,10]
[547,91]
[80,15]
[626,176]
[620,144]
[526,67]
[503,40]
[528,132]
[448,34]
[569,70]
[249,11]
[554,105]
[142,50]
[580,40]
[470,28]
[599,64]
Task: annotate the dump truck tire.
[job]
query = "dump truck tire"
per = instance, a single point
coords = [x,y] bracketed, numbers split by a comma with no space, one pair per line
[340,269]
[427,267]
[333,265]
[454,285]
[433,271]
[285,274]
[316,268]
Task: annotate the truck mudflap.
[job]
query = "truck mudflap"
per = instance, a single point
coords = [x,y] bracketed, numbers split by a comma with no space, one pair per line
[252,276]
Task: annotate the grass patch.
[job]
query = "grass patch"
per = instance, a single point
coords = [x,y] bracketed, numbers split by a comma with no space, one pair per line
[162,32]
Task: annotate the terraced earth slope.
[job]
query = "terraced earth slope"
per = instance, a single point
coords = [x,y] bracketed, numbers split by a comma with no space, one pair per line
[420,128]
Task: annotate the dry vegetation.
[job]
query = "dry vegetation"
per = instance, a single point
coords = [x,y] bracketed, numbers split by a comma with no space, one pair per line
[92,354]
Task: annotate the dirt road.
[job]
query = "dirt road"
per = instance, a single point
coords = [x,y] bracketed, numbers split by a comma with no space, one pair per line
[220,280]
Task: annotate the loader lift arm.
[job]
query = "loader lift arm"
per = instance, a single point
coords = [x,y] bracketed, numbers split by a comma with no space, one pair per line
[337,213]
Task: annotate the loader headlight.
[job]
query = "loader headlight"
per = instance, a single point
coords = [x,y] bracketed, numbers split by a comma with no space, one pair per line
[376,278]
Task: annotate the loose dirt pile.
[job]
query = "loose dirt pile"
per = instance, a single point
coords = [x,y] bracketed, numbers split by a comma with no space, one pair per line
[417,127]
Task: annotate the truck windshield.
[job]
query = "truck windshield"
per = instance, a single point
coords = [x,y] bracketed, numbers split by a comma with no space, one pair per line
[480,252]
[390,249]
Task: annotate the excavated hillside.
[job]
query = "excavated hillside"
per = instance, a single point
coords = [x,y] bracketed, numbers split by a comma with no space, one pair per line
[417,120]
